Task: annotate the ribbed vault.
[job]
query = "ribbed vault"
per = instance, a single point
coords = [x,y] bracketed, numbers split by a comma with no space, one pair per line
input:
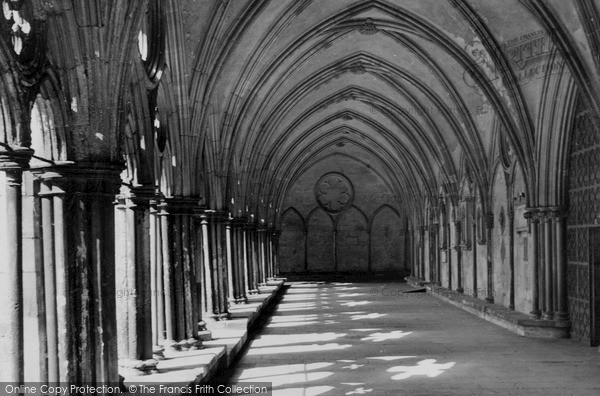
[420,88]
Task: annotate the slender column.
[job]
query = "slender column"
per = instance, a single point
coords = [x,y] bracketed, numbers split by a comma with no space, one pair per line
[253,250]
[245,258]
[134,313]
[532,217]
[412,248]
[208,306]
[269,237]
[548,255]
[438,255]
[260,233]
[63,304]
[511,257]
[474,244]
[189,278]
[561,304]
[11,267]
[156,282]
[431,258]
[449,253]
[218,261]
[275,254]
[178,281]
[240,277]
[489,224]
[422,230]
[168,278]
[229,252]
[457,233]
[49,282]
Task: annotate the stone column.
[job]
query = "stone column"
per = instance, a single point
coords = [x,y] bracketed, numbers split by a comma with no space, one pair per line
[432,253]
[240,277]
[489,224]
[532,217]
[12,164]
[252,241]
[217,265]
[156,282]
[457,233]
[511,257]
[179,272]
[133,280]
[82,235]
[229,256]
[422,230]
[262,255]
[167,275]
[474,245]
[275,253]
[49,282]
[559,244]
[548,265]
[245,260]
[208,289]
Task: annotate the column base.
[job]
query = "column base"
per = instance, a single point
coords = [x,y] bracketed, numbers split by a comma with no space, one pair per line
[460,290]
[158,352]
[536,314]
[489,299]
[194,344]
[170,345]
[137,367]
[203,333]
[561,316]
[223,316]
[548,315]
[254,291]
[242,300]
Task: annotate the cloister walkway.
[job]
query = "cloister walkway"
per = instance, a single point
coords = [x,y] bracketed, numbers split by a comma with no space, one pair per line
[373,339]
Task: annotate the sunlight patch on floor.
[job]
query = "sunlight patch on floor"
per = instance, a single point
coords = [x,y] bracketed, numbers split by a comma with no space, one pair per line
[427,367]
[298,349]
[287,339]
[392,335]
[259,372]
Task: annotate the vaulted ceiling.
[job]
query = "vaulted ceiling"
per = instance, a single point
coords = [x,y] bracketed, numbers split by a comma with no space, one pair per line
[419,89]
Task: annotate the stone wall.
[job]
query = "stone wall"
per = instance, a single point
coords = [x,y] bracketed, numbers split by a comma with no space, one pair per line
[341,216]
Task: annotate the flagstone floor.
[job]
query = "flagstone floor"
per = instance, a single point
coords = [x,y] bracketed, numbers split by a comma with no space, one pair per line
[373,339]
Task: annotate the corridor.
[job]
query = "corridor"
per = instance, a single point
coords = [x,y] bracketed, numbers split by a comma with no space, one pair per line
[374,339]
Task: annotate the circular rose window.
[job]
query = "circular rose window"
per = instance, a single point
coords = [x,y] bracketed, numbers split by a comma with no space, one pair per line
[334,192]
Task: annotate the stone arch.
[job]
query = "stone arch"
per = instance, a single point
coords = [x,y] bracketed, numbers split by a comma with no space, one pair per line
[292,242]
[320,242]
[386,243]
[352,241]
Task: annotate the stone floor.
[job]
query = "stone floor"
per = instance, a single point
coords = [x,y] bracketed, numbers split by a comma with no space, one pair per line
[373,339]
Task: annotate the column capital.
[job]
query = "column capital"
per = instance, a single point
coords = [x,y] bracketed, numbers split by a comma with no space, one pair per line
[251,226]
[89,177]
[216,216]
[15,158]
[142,196]
[181,205]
